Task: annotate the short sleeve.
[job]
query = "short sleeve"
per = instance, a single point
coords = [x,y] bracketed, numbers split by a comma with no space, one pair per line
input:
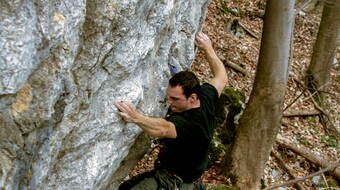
[182,126]
[209,93]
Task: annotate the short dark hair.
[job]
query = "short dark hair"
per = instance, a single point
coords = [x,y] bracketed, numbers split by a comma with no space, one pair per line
[187,80]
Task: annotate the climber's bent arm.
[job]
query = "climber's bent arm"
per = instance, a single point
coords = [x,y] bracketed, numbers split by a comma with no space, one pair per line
[220,78]
[156,127]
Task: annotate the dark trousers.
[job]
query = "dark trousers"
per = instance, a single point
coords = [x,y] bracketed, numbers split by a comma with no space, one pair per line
[155,180]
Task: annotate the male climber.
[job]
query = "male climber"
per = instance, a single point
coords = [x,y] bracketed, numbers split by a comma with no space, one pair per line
[187,132]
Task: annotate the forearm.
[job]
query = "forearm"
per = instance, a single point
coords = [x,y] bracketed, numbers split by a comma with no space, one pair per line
[216,65]
[220,79]
[156,127]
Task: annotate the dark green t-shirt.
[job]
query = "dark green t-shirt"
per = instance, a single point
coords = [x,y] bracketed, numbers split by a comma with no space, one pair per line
[187,155]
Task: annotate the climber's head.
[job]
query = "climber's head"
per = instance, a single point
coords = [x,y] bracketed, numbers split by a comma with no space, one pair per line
[183,91]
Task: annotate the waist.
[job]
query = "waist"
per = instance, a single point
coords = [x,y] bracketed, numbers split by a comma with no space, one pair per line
[174,175]
[184,178]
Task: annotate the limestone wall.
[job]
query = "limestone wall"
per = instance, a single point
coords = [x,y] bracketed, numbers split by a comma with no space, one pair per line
[63,63]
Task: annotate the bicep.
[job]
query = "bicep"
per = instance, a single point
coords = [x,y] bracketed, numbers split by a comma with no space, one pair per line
[179,127]
[171,131]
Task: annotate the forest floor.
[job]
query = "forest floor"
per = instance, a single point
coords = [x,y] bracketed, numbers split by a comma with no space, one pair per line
[235,28]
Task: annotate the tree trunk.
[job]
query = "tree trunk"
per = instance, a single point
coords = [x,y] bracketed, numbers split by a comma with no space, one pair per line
[325,46]
[257,128]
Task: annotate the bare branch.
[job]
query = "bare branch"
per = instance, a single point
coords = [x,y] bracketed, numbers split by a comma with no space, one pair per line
[287,169]
[236,67]
[306,153]
[304,178]
[301,113]
[248,31]
[294,100]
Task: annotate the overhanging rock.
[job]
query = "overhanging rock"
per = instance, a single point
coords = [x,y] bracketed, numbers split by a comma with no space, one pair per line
[63,64]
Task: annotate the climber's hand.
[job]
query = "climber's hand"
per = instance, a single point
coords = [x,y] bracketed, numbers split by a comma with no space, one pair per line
[128,111]
[203,41]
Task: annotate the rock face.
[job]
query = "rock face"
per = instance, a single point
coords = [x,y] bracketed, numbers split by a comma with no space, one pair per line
[63,63]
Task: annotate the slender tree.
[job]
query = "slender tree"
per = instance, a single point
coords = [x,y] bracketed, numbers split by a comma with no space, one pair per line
[259,124]
[325,46]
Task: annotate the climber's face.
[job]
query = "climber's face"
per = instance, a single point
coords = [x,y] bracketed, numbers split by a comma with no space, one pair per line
[178,101]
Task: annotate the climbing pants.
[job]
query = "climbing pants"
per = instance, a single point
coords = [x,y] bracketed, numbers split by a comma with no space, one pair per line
[158,179]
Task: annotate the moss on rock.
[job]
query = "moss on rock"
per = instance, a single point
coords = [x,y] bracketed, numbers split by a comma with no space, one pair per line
[228,108]
[225,187]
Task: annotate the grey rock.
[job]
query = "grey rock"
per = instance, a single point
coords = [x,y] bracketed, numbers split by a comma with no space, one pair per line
[336,61]
[301,13]
[234,28]
[317,180]
[276,173]
[63,64]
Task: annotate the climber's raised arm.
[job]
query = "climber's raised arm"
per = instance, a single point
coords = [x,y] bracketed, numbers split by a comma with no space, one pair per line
[220,78]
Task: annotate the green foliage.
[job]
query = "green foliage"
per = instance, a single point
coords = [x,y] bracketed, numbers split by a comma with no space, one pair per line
[332,140]
[330,183]
[234,96]
[230,105]
[225,187]
[227,9]
[232,100]
[303,141]
[216,149]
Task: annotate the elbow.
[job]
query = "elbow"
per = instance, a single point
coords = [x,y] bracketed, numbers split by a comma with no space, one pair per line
[222,76]
[165,131]
[156,134]
[223,79]
[168,131]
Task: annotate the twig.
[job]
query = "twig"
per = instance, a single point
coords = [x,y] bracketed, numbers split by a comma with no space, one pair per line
[240,24]
[337,133]
[324,178]
[304,5]
[302,113]
[316,92]
[310,96]
[304,90]
[294,100]
[287,169]
[248,31]
[236,67]
[317,106]
[330,93]
[304,178]
[224,11]
[335,130]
